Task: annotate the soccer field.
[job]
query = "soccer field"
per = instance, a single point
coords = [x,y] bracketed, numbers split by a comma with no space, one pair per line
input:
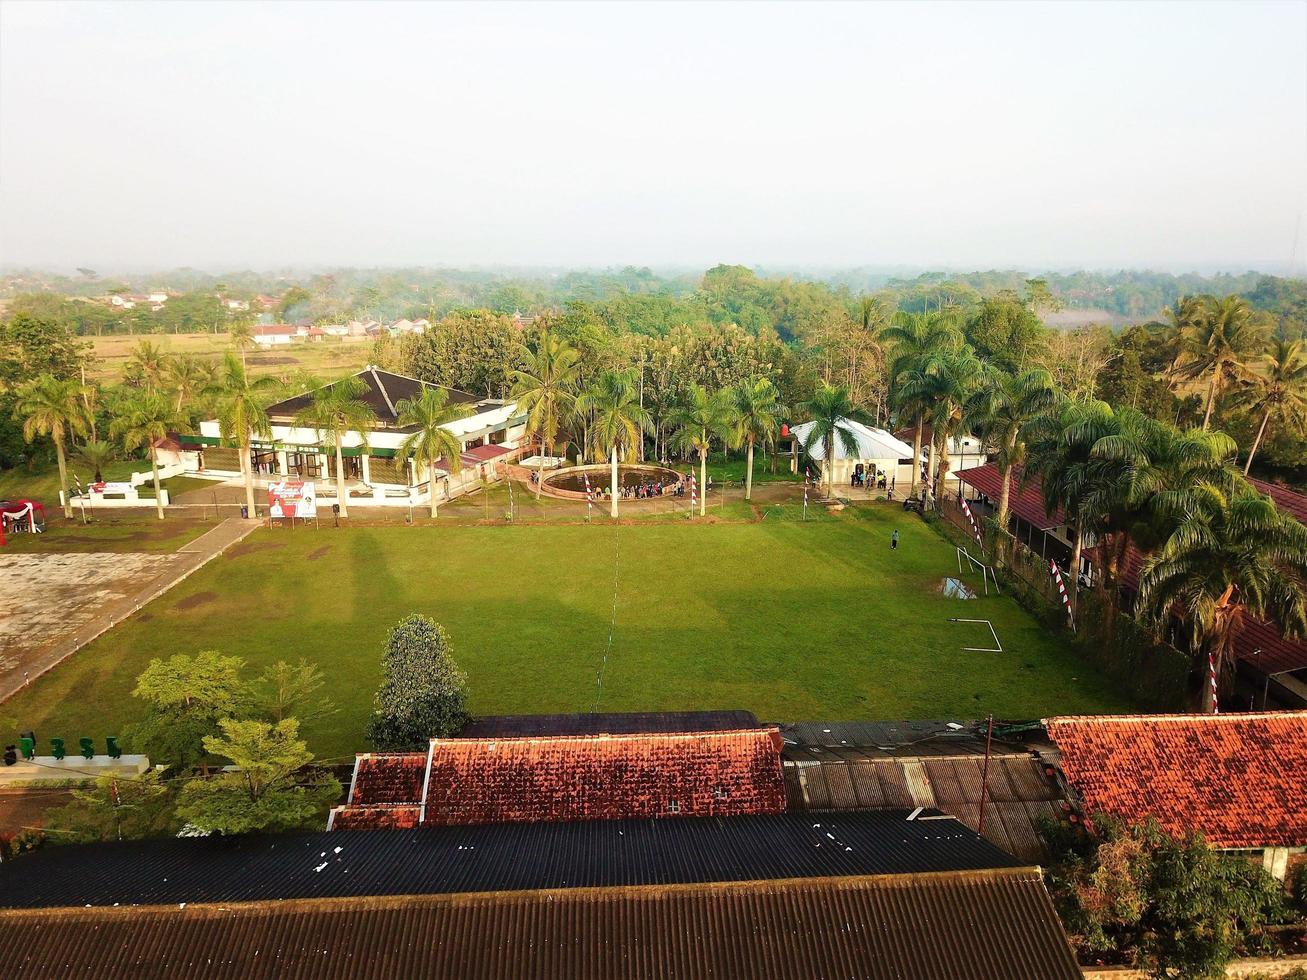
[792,620]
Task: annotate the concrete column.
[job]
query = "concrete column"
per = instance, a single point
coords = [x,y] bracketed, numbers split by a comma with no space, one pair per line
[282,466]
[323,468]
[367,470]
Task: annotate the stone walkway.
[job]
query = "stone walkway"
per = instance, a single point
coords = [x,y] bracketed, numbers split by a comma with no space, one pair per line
[55,604]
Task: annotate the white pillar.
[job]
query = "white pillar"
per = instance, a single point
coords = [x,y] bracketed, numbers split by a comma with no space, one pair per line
[282,466]
[367,470]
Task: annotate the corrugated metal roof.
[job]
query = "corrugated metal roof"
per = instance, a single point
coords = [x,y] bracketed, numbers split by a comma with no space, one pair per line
[981,925]
[506,857]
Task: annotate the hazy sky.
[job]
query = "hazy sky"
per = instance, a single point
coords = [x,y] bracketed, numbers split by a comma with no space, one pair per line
[231,135]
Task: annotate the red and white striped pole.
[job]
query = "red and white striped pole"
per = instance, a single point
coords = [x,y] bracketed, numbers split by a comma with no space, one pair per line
[1211,676]
[805,494]
[1061,590]
[972,520]
[694,495]
[589,497]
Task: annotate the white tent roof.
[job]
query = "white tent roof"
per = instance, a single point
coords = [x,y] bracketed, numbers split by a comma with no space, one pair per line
[872,443]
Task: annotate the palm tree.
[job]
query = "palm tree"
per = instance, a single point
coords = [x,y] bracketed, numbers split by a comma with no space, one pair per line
[1003,411]
[698,420]
[915,338]
[431,441]
[242,415]
[1279,390]
[187,376]
[145,421]
[829,410]
[333,412]
[96,454]
[618,421]
[242,337]
[49,406]
[758,414]
[546,390]
[1218,337]
[147,361]
[944,384]
[1229,557]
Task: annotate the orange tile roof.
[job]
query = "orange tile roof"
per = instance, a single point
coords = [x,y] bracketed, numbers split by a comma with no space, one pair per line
[605,777]
[388,778]
[1240,779]
[375,818]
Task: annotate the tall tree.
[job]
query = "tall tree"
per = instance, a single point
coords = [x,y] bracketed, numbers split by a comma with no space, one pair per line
[147,363]
[186,697]
[1003,411]
[830,409]
[945,385]
[144,421]
[242,337]
[545,388]
[186,376]
[424,694]
[334,412]
[617,420]
[50,407]
[1279,391]
[271,788]
[1230,556]
[1218,339]
[699,419]
[758,415]
[431,440]
[242,415]
[914,339]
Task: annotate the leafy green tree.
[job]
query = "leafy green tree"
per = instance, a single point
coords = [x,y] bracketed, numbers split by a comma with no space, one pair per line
[1230,556]
[423,695]
[1006,333]
[333,412]
[697,421]
[1279,391]
[473,350]
[284,689]
[186,697]
[1218,339]
[1176,907]
[291,300]
[545,388]
[272,789]
[1003,411]
[830,410]
[431,441]
[758,413]
[618,420]
[50,407]
[33,345]
[242,415]
[144,421]
[116,808]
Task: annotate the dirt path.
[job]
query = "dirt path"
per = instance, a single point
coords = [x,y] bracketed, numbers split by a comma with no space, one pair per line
[55,604]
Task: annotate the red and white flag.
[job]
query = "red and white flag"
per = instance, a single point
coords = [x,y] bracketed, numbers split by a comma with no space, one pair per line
[1061,589]
[975,529]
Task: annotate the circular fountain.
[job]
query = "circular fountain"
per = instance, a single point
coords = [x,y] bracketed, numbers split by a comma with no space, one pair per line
[569,483]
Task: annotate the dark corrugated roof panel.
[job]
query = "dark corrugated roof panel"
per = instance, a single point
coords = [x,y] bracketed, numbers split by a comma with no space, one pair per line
[951,926]
[506,857]
[610,723]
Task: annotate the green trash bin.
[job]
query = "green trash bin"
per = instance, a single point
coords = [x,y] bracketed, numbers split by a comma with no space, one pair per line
[28,747]
[57,747]
[111,747]
[87,746]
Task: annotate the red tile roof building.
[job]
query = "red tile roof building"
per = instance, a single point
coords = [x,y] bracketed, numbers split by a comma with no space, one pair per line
[472,781]
[1240,779]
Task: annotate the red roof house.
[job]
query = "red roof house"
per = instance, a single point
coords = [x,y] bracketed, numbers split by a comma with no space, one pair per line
[1239,779]
[469,781]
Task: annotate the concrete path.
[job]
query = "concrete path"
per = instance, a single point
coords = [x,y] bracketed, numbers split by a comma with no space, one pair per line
[55,604]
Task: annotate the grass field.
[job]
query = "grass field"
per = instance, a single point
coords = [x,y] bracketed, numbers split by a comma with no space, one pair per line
[793,620]
[327,359]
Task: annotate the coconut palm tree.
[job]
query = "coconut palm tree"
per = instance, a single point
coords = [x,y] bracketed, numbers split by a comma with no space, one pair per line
[186,376]
[914,338]
[944,384]
[1229,557]
[617,420]
[52,407]
[696,422]
[96,454]
[758,415]
[242,415]
[333,412]
[147,362]
[1218,339]
[431,441]
[1279,390]
[829,410]
[144,421]
[1003,411]
[242,337]
[545,388]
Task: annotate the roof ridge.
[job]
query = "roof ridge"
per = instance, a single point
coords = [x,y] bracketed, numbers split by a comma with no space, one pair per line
[430,384]
[605,736]
[1178,716]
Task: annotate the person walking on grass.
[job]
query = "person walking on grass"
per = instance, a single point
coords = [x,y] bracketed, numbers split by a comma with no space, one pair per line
[894,541]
